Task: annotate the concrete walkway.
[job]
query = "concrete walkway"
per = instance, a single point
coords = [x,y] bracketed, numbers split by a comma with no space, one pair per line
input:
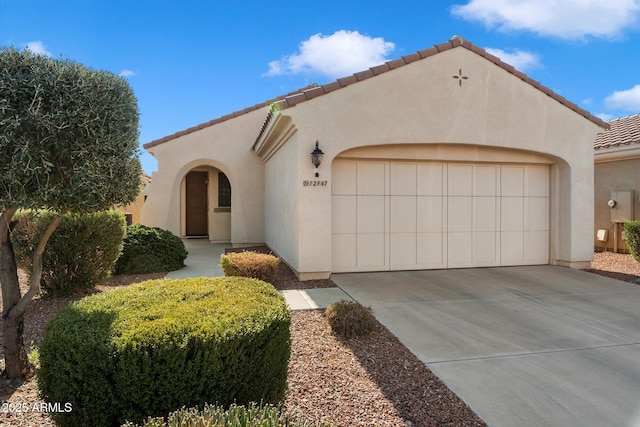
[204,261]
[522,346]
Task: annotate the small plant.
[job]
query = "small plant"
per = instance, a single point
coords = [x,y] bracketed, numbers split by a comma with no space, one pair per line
[632,234]
[250,264]
[349,319]
[150,250]
[251,416]
[34,354]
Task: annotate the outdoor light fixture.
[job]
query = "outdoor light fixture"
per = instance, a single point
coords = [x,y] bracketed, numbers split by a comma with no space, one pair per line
[316,156]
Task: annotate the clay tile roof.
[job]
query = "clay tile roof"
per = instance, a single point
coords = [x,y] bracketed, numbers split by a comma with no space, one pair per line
[229,116]
[622,131]
[456,41]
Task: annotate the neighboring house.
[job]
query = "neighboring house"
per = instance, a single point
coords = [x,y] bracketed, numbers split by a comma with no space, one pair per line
[617,177]
[132,211]
[444,158]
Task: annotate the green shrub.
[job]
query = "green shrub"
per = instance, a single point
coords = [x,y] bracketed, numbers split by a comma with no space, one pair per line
[350,319]
[150,250]
[80,253]
[250,264]
[152,347]
[240,416]
[632,234]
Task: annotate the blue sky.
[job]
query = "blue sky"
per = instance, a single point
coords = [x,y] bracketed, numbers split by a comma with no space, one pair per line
[191,61]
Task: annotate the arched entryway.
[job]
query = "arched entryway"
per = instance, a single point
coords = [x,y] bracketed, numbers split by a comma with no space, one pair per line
[206,204]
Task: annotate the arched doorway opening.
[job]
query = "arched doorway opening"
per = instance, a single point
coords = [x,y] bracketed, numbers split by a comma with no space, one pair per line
[206,207]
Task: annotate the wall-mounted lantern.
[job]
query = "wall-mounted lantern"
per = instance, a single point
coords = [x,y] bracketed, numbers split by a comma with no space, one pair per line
[316,157]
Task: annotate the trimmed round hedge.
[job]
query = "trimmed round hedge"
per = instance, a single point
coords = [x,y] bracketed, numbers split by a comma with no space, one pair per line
[151,348]
[150,250]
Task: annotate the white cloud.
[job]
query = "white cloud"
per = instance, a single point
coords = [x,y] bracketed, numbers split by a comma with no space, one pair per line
[566,19]
[126,73]
[605,116]
[337,55]
[520,59]
[628,100]
[38,48]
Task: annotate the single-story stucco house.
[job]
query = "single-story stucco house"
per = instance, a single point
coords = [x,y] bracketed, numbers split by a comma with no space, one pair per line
[617,178]
[444,158]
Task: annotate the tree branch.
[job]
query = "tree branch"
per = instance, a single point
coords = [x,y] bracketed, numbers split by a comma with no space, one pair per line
[34,287]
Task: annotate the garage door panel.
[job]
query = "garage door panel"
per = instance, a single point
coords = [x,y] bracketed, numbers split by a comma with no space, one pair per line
[486,249]
[460,253]
[485,180]
[371,251]
[512,214]
[344,175]
[343,214]
[371,215]
[371,178]
[431,179]
[343,251]
[403,179]
[511,181]
[537,181]
[403,250]
[536,247]
[536,213]
[459,180]
[460,214]
[511,248]
[485,214]
[431,250]
[431,213]
[403,214]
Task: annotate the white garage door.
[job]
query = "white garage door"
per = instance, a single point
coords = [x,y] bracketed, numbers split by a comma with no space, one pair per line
[392,215]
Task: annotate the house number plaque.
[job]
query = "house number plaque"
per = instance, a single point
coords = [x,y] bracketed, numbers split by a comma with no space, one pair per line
[314,183]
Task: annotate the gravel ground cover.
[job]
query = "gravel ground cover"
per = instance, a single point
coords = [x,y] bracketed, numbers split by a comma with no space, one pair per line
[370,381]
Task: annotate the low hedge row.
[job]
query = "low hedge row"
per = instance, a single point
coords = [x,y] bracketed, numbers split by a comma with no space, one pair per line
[252,415]
[250,264]
[150,348]
[80,253]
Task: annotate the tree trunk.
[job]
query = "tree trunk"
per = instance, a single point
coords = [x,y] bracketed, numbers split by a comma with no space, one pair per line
[15,354]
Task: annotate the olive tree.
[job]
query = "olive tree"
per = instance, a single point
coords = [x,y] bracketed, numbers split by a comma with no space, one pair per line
[68,142]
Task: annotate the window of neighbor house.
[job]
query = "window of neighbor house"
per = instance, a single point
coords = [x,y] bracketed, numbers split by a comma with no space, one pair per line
[224,191]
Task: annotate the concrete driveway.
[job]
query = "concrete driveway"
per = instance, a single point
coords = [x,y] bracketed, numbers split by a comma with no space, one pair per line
[522,346]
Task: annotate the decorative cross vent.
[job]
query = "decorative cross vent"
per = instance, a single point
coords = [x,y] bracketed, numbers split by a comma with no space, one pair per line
[460,77]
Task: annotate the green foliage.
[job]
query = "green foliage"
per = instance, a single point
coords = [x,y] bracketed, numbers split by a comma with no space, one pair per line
[349,319]
[252,415]
[632,234]
[79,255]
[152,347]
[68,135]
[250,264]
[150,250]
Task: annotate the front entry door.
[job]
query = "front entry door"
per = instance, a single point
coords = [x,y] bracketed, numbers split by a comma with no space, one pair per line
[197,204]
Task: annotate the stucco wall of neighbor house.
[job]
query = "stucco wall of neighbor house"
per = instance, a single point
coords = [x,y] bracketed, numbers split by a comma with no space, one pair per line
[614,175]
[421,104]
[135,208]
[227,147]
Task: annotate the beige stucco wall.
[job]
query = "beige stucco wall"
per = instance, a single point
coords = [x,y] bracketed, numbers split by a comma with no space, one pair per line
[135,208]
[612,175]
[420,104]
[226,147]
[281,203]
